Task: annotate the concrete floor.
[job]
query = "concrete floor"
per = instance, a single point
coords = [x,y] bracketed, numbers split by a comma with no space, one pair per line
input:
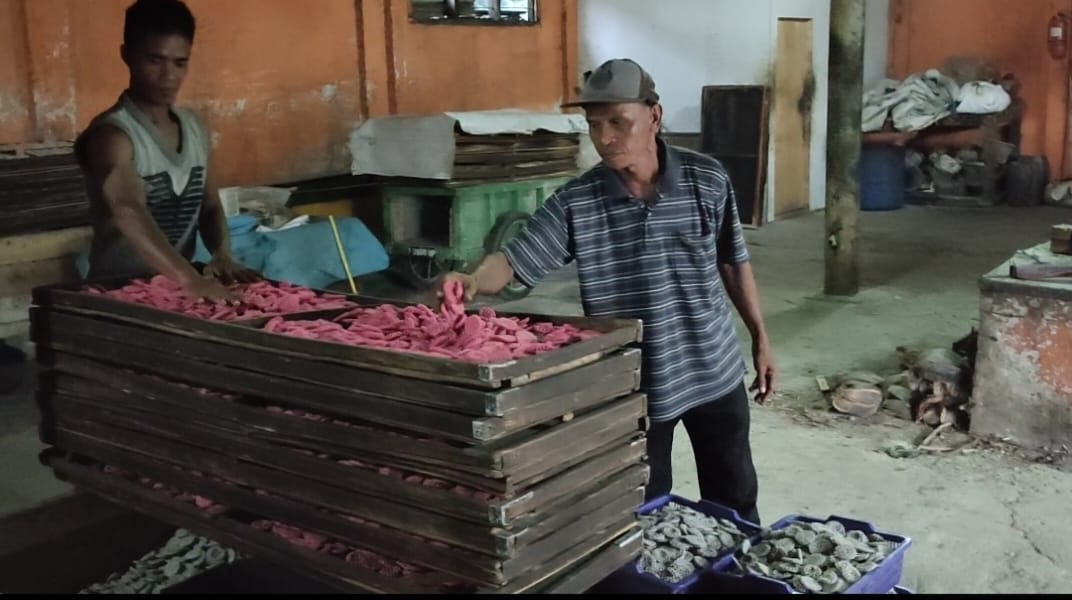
[24,482]
[981,521]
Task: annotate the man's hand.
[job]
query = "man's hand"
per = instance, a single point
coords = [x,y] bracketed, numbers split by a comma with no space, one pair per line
[763,361]
[469,284]
[228,271]
[207,288]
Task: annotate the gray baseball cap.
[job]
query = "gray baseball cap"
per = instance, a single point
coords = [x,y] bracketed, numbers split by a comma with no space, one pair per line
[617,81]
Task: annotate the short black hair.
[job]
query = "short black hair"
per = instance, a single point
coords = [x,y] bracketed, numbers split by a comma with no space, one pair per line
[157,17]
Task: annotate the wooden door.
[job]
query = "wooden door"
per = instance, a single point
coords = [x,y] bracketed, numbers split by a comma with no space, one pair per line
[733,129]
[794,91]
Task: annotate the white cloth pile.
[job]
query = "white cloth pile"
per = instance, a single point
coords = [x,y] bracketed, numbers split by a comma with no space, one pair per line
[982,98]
[923,99]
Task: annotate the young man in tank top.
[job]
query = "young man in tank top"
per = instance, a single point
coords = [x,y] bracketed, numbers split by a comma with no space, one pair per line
[146,165]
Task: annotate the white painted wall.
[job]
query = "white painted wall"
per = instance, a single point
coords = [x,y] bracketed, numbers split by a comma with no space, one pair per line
[876,41]
[687,44]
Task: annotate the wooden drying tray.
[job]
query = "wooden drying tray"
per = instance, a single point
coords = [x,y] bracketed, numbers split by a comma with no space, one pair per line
[553,504]
[468,415]
[501,467]
[575,570]
[483,150]
[499,156]
[515,171]
[35,150]
[612,499]
[616,333]
[538,456]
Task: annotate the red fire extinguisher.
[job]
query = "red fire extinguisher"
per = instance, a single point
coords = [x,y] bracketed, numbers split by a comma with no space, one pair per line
[1057,38]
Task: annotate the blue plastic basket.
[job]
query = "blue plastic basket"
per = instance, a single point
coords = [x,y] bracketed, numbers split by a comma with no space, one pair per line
[631,579]
[880,581]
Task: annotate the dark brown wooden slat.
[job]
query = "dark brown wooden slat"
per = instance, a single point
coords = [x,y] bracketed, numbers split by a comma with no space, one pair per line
[167,354]
[623,492]
[247,444]
[566,563]
[598,566]
[617,333]
[615,421]
[393,514]
[606,505]
[526,404]
[50,327]
[20,225]
[239,536]
[390,542]
[175,402]
[358,481]
[90,437]
[497,156]
[307,396]
[573,571]
[594,468]
[84,404]
[540,452]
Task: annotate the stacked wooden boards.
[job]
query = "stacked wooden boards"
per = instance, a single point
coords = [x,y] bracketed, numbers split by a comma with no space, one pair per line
[511,157]
[41,189]
[499,478]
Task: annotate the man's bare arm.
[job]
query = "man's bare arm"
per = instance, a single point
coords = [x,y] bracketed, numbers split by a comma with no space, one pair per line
[493,274]
[110,166]
[215,232]
[490,277]
[213,222]
[740,284]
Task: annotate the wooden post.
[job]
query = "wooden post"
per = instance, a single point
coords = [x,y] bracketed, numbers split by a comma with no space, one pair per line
[843,146]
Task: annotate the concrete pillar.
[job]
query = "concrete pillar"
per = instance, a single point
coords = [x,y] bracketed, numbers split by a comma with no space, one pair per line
[843,146]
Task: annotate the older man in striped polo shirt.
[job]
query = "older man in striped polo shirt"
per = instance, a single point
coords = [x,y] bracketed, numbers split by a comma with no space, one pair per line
[655,235]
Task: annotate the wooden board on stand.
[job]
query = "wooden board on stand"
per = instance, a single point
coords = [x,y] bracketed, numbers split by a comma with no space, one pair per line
[794,92]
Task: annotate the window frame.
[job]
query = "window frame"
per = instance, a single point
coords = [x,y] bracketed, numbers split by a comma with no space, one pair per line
[533,10]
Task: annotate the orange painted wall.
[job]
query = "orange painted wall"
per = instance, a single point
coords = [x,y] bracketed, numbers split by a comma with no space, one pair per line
[518,67]
[414,68]
[924,33]
[274,80]
[15,95]
[281,83]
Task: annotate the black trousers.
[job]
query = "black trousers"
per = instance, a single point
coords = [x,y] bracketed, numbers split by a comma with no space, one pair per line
[718,431]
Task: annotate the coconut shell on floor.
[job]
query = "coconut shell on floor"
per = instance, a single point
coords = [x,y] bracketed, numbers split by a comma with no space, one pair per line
[857,400]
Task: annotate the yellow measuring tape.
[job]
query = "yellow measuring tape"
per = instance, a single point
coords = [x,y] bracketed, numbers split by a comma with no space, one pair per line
[342,255]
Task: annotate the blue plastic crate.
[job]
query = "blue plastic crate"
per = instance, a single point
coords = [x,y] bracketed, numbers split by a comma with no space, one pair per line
[880,581]
[902,590]
[631,579]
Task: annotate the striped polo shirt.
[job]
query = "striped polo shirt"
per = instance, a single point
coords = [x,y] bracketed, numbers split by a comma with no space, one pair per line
[657,263]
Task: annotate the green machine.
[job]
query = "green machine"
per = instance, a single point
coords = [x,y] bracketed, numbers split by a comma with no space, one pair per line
[435,228]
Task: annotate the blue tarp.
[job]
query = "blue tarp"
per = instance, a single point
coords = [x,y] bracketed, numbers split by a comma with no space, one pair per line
[304,255]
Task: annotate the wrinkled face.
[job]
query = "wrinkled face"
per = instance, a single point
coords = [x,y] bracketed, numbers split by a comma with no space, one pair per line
[624,134]
[157,67]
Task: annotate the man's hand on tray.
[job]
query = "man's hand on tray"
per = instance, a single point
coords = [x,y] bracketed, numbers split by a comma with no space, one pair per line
[227,270]
[211,290]
[468,282]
